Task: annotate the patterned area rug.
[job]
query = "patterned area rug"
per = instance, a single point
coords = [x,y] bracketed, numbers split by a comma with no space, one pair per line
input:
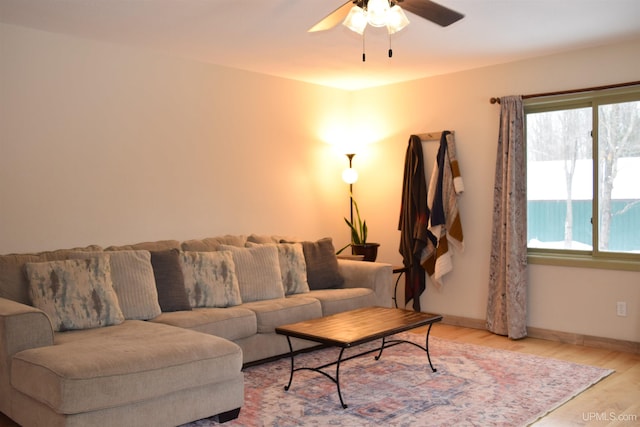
[473,386]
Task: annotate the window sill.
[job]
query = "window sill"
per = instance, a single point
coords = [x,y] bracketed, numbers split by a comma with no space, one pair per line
[583,261]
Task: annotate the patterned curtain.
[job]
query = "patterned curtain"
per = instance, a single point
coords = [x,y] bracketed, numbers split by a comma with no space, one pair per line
[507,303]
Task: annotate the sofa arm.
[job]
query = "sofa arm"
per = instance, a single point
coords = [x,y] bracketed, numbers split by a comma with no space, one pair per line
[21,327]
[377,276]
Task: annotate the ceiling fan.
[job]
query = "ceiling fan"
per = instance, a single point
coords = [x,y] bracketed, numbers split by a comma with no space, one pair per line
[426,9]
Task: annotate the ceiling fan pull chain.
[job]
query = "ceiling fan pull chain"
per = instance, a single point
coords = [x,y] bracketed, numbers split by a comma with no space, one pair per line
[363,54]
[390,50]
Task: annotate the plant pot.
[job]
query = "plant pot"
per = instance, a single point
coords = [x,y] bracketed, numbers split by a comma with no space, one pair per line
[369,250]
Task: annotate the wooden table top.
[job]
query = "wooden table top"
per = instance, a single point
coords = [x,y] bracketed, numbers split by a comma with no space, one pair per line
[358,326]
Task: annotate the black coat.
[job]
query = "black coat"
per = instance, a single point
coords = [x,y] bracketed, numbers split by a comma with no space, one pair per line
[414,219]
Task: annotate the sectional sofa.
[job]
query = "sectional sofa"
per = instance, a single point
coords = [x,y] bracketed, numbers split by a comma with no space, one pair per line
[157,333]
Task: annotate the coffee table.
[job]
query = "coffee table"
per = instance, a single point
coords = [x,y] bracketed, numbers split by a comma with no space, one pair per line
[355,327]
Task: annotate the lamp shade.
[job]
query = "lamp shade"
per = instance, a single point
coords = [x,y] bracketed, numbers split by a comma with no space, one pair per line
[350,176]
[377,12]
[356,20]
[396,19]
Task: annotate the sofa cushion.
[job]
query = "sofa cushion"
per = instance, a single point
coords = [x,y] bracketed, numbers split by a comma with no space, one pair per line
[210,244]
[133,282]
[270,238]
[322,264]
[167,272]
[75,293]
[232,323]
[13,282]
[281,311]
[258,271]
[263,238]
[135,361]
[210,279]
[293,268]
[159,245]
[338,300]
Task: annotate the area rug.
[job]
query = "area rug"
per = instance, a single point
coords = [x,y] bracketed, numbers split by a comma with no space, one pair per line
[473,386]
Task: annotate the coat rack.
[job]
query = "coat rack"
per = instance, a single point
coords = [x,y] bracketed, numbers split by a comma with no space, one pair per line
[431,136]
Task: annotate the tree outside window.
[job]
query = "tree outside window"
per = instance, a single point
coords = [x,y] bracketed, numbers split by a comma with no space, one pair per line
[568,210]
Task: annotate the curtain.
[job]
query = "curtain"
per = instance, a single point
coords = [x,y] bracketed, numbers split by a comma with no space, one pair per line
[507,302]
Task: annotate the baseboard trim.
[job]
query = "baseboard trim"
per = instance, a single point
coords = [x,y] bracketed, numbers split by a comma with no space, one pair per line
[465,322]
[551,335]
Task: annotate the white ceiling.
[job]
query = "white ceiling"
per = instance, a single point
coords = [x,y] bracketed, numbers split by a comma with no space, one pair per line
[269,36]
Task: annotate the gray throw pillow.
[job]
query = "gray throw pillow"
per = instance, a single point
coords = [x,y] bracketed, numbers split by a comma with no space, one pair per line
[172,295]
[322,264]
[13,282]
[133,281]
[75,293]
[210,279]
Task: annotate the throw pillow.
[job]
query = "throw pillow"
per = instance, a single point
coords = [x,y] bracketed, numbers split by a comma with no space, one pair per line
[293,268]
[322,264]
[258,271]
[13,282]
[75,293]
[133,281]
[172,295]
[210,279]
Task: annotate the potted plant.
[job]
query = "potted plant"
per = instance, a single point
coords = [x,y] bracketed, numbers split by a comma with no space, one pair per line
[359,244]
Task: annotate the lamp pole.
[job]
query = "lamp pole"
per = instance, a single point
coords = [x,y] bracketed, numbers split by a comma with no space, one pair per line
[350,156]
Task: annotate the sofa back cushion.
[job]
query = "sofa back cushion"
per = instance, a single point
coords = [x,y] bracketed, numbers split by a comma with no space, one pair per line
[75,293]
[13,281]
[211,244]
[159,245]
[210,279]
[270,238]
[133,282]
[258,271]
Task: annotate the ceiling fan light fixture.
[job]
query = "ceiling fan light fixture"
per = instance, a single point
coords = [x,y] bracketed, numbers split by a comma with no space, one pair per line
[396,19]
[356,20]
[377,11]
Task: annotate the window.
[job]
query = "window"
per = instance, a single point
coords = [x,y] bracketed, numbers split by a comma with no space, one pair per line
[583,179]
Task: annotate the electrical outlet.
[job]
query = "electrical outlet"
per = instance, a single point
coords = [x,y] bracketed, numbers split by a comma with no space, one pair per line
[621,308]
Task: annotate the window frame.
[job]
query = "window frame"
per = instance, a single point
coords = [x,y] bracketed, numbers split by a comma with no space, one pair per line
[593,258]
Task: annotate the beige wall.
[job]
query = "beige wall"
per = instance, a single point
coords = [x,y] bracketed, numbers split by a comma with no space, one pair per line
[562,299]
[106,144]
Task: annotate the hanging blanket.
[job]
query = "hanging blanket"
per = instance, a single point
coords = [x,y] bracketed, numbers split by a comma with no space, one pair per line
[444,221]
[414,217]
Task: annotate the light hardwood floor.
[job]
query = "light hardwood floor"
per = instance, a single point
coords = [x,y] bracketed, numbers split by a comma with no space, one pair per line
[613,402]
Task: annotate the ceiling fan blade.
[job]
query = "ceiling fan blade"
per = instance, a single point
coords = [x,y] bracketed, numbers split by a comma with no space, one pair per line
[431,11]
[332,19]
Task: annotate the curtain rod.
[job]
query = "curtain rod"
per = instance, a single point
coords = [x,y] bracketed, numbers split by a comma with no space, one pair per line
[565,92]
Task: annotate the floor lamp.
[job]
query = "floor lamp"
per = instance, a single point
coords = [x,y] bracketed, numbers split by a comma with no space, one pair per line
[350,176]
